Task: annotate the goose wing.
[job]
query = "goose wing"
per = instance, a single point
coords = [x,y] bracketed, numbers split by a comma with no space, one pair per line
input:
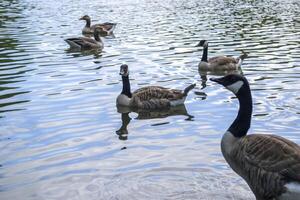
[107,26]
[157,92]
[273,154]
[147,88]
[84,42]
[222,60]
[155,97]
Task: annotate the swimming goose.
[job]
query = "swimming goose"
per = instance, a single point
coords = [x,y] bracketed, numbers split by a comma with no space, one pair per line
[218,62]
[85,43]
[151,97]
[270,164]
[107,27]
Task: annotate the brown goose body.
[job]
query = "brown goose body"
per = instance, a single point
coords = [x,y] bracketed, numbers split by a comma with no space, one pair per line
[218,63]
[85,43]
[107,27]
[156,97]
[151,97]
[221,63]
[266,162]
[270,164]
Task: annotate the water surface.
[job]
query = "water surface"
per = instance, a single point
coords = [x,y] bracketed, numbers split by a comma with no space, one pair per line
[61,135]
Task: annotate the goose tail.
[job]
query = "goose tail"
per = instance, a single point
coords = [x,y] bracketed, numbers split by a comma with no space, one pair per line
[72,43]
[188,88]
[113,27]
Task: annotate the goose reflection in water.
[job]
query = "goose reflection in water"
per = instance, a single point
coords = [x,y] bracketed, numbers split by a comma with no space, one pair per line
[122,132]
[75,53]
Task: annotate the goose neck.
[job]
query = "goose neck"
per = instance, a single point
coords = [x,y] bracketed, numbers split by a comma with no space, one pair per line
[204,54]
[242,122]
[126,86]
[88,23]
[96,36]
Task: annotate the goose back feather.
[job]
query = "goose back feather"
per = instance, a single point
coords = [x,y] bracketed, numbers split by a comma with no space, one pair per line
[156,97]
[83,43]
[266,162]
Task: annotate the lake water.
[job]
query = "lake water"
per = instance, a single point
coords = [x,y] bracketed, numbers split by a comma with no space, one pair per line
[61,135]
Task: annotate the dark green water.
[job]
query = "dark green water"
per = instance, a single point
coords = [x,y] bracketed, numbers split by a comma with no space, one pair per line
[61,136]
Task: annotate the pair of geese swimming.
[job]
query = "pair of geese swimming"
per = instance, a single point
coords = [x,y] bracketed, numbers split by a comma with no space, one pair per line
[269,164]
[97,30]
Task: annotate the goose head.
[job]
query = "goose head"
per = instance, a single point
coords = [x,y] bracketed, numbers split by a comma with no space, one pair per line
[85,17]
[124,70]
[233,82]
[202,43]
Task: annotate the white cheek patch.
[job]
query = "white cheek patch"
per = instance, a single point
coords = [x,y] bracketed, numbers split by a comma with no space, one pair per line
[235,87]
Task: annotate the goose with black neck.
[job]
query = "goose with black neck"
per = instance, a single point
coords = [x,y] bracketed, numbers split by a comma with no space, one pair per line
[151,97]
[270,164]
[218,63]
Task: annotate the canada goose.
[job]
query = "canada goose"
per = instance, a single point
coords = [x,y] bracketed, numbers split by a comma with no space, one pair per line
[151,97]
[107,27]
[85,43]
[270,164]
[218,62]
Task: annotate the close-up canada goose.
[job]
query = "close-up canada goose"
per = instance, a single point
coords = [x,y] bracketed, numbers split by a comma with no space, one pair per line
[270,164]
[218,62]
[151,97]
[107,27]
[85,43]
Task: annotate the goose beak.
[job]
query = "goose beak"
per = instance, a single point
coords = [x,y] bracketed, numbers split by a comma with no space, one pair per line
[81,18]
[198,45]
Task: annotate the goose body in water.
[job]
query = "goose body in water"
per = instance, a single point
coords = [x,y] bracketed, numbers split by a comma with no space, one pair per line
[219,62]
[270,164]
[107,27]
[151,97]
[85,43]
